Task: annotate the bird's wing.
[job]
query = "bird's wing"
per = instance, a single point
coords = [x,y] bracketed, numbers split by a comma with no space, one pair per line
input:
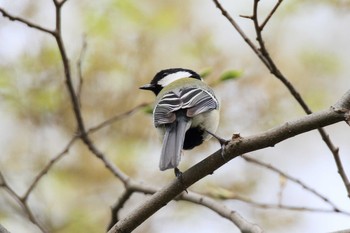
[193,99]
[198,101]
[165,108]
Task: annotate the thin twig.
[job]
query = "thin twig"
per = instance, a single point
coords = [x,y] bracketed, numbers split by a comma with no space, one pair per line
[240,31]
[79,67]
[278,74]
[75,102]
[289,177]
[222,210]
[70,143]
[117,118]
[261,27]
[286,207]
[45,170]
[264,56]
[117,206]
[76,108]
[26,22]
[22,203]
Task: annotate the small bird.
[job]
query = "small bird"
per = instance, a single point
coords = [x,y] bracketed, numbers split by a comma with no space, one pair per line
[186,113]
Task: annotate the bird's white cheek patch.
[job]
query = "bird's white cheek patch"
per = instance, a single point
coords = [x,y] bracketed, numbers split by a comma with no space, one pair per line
[173,77]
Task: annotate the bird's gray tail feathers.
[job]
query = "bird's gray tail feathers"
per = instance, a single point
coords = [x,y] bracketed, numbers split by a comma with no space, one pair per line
[173,142]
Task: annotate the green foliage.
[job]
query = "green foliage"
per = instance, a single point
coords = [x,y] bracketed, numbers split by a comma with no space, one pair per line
[7,87]
[206,72]
[148,109]
[230,75]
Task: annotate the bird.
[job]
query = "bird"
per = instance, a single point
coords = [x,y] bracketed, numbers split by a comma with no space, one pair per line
[186,113]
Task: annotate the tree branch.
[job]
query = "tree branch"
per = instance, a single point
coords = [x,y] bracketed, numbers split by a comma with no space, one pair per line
[75,102]
[297,181]
[278,74]
[264,56]
[202,200]
[222,210]
[287,207]
[48,167]
[3,229]
[261,27]
[117,118]
[22,203]
[26,22]
[79,68]
[117,206]
[240,31]
[232,150]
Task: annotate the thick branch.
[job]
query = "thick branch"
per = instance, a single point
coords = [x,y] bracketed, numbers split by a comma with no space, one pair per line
[233,149]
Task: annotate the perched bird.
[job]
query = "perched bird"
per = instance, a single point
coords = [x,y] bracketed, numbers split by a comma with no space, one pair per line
[186,112]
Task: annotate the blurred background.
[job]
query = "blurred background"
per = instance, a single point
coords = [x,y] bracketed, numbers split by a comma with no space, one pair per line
[127,42]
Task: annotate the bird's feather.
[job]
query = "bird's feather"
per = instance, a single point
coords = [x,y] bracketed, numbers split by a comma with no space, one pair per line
[194,100]
[173,141]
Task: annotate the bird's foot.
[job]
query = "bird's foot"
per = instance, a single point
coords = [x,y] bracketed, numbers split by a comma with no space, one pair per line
[223,143]
[179,176]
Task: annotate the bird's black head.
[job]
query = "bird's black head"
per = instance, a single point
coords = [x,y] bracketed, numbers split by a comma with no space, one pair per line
[165,77]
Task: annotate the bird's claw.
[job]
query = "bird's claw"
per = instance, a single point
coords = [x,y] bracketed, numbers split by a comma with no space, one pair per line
[223,143]
[179,176]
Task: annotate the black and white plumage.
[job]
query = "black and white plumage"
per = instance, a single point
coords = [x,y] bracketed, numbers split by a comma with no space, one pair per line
[186,109]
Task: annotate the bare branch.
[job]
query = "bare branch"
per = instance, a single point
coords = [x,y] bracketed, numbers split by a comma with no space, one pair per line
[214,161]
[222,210]
[79,68]
[278,74]
[264,56]
[297,181]
[261,27]
[286,207]
[22,203]
[341,231]
[75,102]
[48,167]
[228,195]
[239,30]
[202,200]
[117,206]
[117,118]
[3,229]
[26,22]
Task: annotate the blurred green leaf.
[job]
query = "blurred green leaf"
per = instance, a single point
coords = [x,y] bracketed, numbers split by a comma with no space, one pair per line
[231,74]
[148,109]
[205,73]
[44,100]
